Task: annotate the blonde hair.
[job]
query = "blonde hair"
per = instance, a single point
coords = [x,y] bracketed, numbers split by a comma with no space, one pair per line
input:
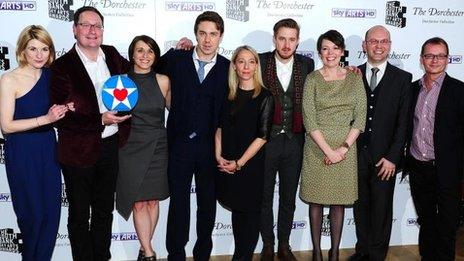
[233,78]
[33,32]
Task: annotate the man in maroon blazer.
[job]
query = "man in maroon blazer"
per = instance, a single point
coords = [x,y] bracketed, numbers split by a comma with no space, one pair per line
[88,138]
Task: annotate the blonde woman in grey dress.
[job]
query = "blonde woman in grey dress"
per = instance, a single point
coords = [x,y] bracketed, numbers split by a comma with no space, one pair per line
[334,109]
[142,179]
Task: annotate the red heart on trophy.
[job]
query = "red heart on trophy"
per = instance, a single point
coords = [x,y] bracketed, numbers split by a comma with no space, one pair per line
[120,94]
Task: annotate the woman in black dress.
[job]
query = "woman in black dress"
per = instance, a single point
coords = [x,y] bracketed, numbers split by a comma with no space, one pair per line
[244,128]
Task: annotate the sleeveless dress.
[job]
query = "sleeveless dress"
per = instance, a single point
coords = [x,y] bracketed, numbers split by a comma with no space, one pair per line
[143,159]
[33,174]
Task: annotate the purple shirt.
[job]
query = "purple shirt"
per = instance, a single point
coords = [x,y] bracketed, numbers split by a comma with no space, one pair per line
[422,147]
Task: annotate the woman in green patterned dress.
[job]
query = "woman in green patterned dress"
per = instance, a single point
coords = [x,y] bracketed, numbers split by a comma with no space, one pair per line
[334,111]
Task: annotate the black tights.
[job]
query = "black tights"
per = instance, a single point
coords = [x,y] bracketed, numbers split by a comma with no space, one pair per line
[336,215]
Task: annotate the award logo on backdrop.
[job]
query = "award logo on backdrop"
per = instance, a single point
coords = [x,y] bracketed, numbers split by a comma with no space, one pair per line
[18,5]
[343,61]
[119,93]
[4,62]
[235,10]
[394,14]
[2,151]
[60,10]
[10,241]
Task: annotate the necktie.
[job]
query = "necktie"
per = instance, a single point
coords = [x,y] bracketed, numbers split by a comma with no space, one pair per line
[373,82]
[201,70]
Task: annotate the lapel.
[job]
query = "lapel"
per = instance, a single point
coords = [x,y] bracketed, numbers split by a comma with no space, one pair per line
[363,67]
[440,101]
[387,86]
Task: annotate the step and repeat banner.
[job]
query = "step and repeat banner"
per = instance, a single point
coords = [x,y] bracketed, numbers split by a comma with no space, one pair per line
[246,22]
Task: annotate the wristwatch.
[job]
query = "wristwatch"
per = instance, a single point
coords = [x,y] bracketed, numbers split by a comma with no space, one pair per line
[346,145]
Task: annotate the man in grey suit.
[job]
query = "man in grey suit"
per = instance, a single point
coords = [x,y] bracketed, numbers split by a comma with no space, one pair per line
[283,73]
[380,146]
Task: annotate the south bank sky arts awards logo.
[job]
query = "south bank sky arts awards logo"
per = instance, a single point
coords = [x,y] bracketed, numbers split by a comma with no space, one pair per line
[394,14]
[10,241]
[6,5]
[235,10]
[4,61]
[119,93]
[2,151]
[60,10]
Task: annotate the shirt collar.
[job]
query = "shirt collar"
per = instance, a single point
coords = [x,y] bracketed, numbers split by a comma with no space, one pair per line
[287,65]
[437,82]
[85,60]
[381,67]
[195,57]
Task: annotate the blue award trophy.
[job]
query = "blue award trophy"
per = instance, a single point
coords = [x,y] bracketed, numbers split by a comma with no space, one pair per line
[119,93]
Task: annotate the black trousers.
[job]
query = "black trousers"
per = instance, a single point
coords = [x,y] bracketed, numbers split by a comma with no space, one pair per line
[283,155]
[373,211]
[185,159]
[90,191]
[245,226]
[437,210]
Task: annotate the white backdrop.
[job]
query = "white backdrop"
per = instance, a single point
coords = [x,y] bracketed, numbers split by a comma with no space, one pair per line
[246,22]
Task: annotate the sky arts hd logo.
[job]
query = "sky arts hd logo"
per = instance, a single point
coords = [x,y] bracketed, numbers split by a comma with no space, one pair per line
[60,10]
[299,225]
[18,5]
[353,13]
[411,222]
[4,62]
[394,14]
[5,197]
[10,241]
[124,236]
[235,10]
[309,54]
[455,59]
[189,6]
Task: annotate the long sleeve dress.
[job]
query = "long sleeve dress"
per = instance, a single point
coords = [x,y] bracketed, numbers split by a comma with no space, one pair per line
[243,120]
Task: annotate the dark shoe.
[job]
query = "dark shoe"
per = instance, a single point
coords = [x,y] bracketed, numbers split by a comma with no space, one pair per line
[149,258]
[358,257]
[284,252]
[333,257]
[141,255]
[267,254]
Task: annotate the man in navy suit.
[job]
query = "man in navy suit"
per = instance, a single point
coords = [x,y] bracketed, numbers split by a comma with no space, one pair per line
[88,137]
[198,88]
[435,152]
[380,146]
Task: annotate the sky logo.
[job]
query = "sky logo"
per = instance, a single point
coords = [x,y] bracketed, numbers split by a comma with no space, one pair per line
[18,5]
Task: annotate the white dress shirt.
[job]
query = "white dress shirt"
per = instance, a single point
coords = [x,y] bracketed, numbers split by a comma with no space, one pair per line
[284,72]
[380,73]
[209,64]
[98,72]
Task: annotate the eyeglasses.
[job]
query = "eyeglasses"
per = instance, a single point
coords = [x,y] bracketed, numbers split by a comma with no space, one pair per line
[375,41]
[430,56]
[87,26]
